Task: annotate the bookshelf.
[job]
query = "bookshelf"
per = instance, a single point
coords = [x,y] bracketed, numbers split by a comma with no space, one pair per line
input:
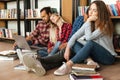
[9,16]
[5,19]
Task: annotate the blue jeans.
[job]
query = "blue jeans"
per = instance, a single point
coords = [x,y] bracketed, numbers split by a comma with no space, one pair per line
[55,49]
[93,50]
[43,52]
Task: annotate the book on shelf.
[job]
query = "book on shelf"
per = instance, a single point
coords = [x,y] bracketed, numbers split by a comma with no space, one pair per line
[114,9]
[6,33]
[82,10]
[85,77]
[118,6]
[8,13]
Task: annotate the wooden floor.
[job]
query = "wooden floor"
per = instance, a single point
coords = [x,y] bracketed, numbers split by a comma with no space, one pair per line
[7,71]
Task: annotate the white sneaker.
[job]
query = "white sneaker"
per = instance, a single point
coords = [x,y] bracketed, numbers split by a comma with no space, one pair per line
[33,64]
[93,63]
[62,70]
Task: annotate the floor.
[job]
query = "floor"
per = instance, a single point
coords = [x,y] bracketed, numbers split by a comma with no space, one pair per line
[109,72]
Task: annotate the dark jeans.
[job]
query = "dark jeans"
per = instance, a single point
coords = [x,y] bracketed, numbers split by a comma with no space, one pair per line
[56,60]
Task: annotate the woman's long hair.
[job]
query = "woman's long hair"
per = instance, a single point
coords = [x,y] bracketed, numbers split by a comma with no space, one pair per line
[53,29]
[104,22]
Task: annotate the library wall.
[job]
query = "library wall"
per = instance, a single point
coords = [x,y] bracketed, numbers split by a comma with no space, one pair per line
[83,2]
[67,10]
[2,23]
[51,3]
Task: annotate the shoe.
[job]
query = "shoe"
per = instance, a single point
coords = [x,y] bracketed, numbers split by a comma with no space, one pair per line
[32,64]
[93,63]
[62,70]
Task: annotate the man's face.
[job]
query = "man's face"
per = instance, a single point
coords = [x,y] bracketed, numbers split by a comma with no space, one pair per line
[45,17]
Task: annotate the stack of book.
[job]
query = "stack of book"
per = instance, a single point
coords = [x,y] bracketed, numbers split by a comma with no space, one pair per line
[84,72]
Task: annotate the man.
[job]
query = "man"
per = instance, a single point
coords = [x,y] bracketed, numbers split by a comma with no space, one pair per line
[40,36]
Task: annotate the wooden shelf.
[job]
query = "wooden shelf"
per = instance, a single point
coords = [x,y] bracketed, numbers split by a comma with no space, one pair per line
[9,19]
[117,50]
[6,38]
[115,17]
[6,0]
[33,18]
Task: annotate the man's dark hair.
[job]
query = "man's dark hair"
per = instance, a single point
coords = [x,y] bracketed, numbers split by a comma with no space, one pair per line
[47,9]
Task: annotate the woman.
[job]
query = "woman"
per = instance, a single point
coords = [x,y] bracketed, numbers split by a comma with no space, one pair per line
[98,31]
[59,34]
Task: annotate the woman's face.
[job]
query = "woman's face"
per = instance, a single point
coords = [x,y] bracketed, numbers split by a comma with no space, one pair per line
[54,18]
[93,10]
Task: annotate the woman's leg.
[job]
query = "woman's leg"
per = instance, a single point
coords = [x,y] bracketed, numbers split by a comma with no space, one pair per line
[95,51]
[77,46]
[91,49]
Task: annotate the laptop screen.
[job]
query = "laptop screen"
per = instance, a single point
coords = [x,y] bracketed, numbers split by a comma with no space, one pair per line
[21,42]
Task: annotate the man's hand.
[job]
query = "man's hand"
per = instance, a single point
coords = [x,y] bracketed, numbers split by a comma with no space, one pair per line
[28,38]
[14,45]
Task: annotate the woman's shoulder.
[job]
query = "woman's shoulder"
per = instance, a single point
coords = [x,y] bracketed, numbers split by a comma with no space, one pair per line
[67,24]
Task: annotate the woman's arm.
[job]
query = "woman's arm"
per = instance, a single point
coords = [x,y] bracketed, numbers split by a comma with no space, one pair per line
[78,34]
[89,35]
[67,53]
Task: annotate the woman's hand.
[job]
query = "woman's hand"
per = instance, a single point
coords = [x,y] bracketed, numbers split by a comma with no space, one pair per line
[49,50]
[67,53]
[92,18]
[62,46]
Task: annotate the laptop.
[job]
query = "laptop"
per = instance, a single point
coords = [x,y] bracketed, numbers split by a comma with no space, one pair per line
[22,43]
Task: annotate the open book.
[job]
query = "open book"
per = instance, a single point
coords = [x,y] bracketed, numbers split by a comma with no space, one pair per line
[20,67]
[8,55]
